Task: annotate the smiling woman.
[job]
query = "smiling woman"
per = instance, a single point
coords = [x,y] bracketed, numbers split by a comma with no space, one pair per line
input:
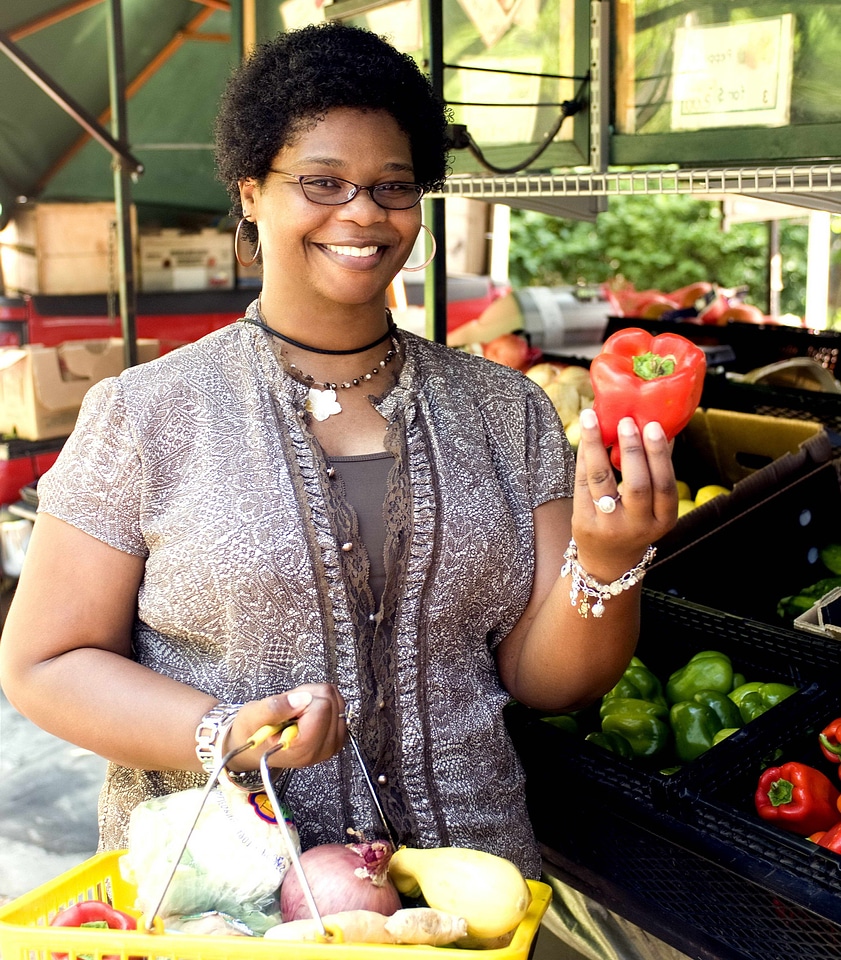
[313,516]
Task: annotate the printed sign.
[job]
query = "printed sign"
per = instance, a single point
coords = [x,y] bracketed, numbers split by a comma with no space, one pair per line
[733,74]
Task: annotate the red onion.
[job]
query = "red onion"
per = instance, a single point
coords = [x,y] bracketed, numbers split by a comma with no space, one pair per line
[351,876]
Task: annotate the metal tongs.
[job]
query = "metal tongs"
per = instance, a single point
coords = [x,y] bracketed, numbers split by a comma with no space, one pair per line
[287,732]
[306,889]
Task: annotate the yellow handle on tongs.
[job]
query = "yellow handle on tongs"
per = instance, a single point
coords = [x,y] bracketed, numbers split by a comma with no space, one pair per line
[288,732]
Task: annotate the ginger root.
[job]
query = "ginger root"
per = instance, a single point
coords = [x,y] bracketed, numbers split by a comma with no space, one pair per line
[425,925]
[421,925]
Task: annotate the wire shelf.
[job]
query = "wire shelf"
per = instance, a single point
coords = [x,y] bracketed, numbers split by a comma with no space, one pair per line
[766,181]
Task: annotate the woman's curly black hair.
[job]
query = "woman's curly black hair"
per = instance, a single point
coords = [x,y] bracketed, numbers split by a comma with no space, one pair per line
[288,84]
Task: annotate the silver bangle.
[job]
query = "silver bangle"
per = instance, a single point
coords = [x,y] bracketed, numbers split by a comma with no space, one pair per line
[211,733]
[595,590]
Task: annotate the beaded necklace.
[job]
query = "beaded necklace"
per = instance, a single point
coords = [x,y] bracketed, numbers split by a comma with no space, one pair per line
[322,400]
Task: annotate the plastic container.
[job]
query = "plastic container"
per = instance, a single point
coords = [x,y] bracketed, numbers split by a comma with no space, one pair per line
[685,856]
[24,928]
[774,401]
[672,631]
[749,559]
[753,344]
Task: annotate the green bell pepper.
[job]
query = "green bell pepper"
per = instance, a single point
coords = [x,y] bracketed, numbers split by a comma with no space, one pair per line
[724,733]
[624,688]
[694,725]
[707,670]
[831,557]
[562,721]
[722,706]
[638,683]
[614,742]
[754,698]
[641,722]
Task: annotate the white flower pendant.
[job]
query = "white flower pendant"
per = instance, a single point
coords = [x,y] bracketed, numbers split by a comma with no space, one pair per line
[322,403]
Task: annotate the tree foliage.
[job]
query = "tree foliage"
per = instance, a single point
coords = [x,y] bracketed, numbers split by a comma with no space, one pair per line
[659,242]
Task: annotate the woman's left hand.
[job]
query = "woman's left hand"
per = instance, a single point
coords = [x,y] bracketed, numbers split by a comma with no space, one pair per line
[613,527]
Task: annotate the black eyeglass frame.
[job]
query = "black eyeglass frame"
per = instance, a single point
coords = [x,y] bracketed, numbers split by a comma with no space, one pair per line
[354,189]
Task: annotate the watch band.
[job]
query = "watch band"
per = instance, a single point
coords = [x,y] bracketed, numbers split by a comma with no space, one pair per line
[251,781]
[211,733]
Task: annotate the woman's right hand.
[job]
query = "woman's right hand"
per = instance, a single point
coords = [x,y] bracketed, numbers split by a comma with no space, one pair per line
[316,709]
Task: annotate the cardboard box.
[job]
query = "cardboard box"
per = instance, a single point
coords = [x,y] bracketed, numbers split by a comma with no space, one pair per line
[816,620]
[748,453]
[61,249]
[728,446]
[171,260]
[41,388]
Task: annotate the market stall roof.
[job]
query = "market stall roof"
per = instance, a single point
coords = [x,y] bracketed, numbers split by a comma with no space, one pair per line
[55,79]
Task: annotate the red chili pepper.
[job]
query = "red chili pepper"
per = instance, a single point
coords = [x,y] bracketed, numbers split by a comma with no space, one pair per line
[648,378]
[93,914]
[797,798]
[831,839]
[830,738]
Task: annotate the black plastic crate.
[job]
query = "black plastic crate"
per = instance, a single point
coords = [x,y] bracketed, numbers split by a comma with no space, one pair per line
[814,657]
[746,562]
[704,873]
[754,345]
[772,401]
[672,631]
[725,813]
[648,868]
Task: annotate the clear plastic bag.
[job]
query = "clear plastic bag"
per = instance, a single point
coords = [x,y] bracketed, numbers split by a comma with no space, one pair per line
[234,861]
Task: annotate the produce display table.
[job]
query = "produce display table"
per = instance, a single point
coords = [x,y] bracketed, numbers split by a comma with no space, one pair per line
[684,855]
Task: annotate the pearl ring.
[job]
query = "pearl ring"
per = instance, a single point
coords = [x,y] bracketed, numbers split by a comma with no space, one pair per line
[607,504]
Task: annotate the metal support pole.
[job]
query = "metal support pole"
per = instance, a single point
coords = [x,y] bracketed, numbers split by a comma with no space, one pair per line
[599,74]
[122,184]
[70,106]
[775,268]
[435,284]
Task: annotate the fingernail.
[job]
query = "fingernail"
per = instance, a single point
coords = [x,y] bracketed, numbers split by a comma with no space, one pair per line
[654,431]
[587,418]
[299,699]
[627,427]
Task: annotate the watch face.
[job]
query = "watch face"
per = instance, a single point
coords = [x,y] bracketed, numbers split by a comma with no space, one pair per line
[249,780]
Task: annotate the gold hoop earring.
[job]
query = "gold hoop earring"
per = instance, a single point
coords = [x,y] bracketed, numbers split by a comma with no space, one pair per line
[240,261]
[431,256]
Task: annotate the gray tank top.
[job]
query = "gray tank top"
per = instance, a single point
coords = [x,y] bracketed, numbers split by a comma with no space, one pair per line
[364,479]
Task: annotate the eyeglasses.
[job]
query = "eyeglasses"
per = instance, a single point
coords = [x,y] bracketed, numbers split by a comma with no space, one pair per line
[333,191]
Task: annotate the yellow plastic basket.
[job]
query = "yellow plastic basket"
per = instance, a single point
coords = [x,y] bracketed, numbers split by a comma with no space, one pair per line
[25,933]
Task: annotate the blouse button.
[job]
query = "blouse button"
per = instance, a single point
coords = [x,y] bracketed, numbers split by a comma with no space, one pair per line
[347,547]
[381,704]
[331,472]
[382,779]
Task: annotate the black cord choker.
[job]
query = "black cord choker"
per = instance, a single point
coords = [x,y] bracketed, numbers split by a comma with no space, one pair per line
[304,346]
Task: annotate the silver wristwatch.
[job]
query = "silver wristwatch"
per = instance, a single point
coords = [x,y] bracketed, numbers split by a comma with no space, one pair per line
[211,733]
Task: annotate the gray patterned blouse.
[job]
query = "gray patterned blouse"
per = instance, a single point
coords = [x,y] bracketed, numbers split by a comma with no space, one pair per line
[202,463]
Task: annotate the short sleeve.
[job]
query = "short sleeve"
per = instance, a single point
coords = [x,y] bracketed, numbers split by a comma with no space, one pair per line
[95,484]
[550,459]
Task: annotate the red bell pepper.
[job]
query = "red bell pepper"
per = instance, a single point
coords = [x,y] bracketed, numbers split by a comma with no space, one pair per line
[829,739]
[798,798]
[93,914]
[831,839]
[648,378]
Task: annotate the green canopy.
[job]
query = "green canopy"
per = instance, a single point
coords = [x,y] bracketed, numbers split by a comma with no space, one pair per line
[176,57]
